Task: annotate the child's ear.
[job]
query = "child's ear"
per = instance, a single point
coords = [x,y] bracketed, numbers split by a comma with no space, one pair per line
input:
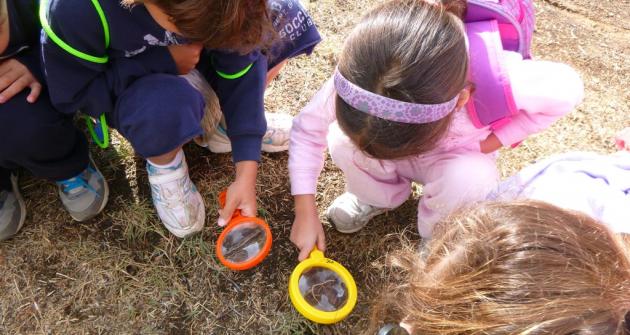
[464,95]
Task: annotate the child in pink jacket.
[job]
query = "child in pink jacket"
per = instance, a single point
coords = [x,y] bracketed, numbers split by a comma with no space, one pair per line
[394,113]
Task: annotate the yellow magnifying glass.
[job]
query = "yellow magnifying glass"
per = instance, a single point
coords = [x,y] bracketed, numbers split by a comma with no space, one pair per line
[322,290]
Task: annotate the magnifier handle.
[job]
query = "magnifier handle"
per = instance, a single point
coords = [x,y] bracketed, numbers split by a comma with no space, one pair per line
[222,198]
[316,253]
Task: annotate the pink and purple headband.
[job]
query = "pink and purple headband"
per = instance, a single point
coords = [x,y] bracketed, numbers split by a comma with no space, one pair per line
[390,109]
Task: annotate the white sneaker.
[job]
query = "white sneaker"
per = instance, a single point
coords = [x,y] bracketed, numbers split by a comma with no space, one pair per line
[276,139]
[349,214]
[176,199]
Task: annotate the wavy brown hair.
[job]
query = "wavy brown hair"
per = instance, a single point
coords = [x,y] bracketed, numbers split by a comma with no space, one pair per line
[241,25]
[513,268]
[408,50]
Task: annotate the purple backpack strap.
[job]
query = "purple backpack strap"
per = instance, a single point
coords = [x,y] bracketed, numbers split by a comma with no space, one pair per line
[492,101]
[516,19]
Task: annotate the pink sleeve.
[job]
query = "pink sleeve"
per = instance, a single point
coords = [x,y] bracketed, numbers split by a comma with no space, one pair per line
[308,140]
[543,91]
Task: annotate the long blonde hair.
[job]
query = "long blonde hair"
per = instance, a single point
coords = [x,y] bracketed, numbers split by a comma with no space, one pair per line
[513,268]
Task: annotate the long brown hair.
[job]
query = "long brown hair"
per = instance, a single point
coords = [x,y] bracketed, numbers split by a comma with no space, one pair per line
[241,25]
[409,50]
[513,268]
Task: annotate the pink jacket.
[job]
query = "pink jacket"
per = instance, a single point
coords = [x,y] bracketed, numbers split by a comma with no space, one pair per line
[543,91]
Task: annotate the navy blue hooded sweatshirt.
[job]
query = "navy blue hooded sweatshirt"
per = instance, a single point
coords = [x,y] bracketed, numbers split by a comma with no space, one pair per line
[138,47]
[24,35]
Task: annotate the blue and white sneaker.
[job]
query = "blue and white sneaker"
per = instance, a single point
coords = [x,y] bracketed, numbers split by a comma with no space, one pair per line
[84,196]
[276,139]
[176,199]
[12,211]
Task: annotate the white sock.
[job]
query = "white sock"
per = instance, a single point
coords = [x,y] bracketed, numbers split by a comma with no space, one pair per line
[175,162]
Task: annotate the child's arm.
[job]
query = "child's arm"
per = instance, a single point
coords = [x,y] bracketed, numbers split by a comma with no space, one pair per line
[239,82]
[306,159]
[307,232]
[77,84]
[543,91]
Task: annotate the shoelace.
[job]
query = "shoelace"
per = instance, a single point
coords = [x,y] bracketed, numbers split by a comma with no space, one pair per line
[74,183]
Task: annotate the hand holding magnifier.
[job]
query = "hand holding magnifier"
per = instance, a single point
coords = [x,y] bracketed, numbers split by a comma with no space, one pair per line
[322,290]
[244,242]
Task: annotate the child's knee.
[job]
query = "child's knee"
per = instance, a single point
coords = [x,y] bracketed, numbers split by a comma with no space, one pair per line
[30,128]
[567,86]
[461,181]
[160,102]
[158,113]
[341,150]
[473,175]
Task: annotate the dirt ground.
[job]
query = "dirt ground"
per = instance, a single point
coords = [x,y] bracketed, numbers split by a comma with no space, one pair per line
[122,273]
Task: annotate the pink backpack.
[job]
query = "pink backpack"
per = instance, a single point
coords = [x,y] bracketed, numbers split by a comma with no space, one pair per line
[493,26]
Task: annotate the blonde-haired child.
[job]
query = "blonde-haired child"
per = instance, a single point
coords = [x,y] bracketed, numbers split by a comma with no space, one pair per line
[525,266]
[513,268]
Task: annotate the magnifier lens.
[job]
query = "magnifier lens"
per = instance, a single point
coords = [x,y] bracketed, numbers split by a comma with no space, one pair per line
[244,242]
[323,289]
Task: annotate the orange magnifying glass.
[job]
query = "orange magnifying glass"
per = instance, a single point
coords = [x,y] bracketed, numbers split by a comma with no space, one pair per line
[244,242]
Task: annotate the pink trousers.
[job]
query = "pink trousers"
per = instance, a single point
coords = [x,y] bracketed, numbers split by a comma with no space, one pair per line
[450,179]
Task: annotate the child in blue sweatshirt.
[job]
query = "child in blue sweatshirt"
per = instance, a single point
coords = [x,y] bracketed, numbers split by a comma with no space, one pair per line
[123,60]
[35,136]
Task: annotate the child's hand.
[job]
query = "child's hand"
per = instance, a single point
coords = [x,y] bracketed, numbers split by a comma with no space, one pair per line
[307,231]
[241,194]
[490,144]
[186,56]
[14,77]
[623,139]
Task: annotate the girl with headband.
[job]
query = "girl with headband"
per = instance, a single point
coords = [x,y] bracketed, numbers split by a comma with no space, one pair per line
[393,113]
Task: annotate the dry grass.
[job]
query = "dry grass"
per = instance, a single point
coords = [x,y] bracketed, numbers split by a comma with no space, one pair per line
[123,273]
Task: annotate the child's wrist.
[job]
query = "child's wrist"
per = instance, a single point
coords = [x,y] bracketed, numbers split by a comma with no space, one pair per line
[305,204]
[490,144]
[246,171]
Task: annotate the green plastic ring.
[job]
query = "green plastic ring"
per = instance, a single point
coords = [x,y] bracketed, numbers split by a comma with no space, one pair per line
[103,142]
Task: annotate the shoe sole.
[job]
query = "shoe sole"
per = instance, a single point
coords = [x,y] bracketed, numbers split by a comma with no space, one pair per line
[274,148]
[105,196]
[353,230]
[20,199]
[265,148]
[185,233]
[219,149]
